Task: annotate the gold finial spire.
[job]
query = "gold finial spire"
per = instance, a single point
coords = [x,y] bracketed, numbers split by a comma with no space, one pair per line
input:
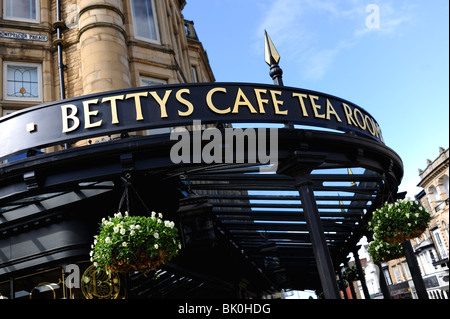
[272,58]
[271,53]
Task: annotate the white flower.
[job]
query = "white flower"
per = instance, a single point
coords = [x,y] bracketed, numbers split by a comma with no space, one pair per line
[156,246]
[169,223]
[153,215]
[124,244]
[160,215]
[137,226]
[179,246]
[91,253]
[122,231]
[132,232]
[126,214]
[416,214]
[107,240]
[116,229]
[407,215]
[156,235]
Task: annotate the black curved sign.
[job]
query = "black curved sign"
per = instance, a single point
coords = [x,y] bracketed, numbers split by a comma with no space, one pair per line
[178,105]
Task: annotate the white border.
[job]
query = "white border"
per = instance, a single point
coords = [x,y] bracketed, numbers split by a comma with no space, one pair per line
[5,83]
[38,14]
[155,16]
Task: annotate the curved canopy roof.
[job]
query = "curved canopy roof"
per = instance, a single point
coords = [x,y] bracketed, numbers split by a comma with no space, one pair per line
[257,211]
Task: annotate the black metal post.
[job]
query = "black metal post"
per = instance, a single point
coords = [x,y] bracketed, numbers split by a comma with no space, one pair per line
[362,277]
[11,288]
[342,285]
[300,165]
[320,248]
[414,269]
[383,285]
[352,287]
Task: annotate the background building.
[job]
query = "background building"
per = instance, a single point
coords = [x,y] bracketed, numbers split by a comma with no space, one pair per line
[53,49]
[432,247]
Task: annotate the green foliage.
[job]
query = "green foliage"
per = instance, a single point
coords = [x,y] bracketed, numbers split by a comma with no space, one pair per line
[382,251]
[351,274]
[134,242]
[399,221]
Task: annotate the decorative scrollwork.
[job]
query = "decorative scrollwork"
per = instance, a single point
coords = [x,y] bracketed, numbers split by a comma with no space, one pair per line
[99,284]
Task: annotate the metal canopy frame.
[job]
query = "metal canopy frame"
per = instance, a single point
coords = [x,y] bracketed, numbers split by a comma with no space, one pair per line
[260,213]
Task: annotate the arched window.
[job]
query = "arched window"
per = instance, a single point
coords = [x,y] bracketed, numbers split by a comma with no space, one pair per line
[445,185]
[433,196]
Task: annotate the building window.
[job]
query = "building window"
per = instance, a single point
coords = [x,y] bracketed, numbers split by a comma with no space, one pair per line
[144,20]
[194,74]
[397,274]
[408,273]
[22,81]
[21,10]
[440,244]
[387,276]
[149,81]
[445,227]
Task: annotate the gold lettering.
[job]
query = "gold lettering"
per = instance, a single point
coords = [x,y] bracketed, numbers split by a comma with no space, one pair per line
[162,102]
[363,125]
[88,113]
[66,117]
[331,110]
[113,99]
[210,103]
[378,132]
[277,103]
[302,103]
[241,99]
[260,100]
[349,115]
[184,102]
[370,124]
[137,103]
[316,107]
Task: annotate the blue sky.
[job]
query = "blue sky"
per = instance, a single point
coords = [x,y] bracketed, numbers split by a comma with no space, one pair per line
[397,70]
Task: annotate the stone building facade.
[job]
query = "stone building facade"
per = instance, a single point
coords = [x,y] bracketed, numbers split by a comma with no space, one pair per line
[432,247]
[105,45]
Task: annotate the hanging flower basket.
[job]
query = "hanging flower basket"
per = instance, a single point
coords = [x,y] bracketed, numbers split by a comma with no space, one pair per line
[134,243]
[351,274]
[382,251]
[400,221]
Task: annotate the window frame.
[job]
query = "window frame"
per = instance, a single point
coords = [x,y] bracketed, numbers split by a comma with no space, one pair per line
[13,18]
[152,81]
[38,66]
[155,21]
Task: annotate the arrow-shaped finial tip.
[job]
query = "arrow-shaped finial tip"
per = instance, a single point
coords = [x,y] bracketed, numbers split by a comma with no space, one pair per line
[271,53]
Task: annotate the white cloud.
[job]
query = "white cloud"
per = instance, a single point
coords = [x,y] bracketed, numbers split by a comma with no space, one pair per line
[295,27]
